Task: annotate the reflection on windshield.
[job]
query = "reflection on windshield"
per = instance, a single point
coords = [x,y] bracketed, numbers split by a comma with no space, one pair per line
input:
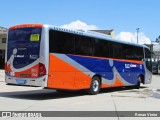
[27,47]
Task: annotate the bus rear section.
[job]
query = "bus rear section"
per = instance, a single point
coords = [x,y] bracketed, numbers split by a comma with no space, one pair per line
[24,62]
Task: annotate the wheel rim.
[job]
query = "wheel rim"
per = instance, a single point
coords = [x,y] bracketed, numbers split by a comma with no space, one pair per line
[95,85]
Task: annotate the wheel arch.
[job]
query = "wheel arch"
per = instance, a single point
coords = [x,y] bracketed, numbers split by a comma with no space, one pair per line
[99,76]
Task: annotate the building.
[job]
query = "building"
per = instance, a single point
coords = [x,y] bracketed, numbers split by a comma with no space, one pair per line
[3,36]
[156,50]
[107,32]
[156,47]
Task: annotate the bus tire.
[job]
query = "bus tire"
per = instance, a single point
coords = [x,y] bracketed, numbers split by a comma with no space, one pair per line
[95,86]
[138,83]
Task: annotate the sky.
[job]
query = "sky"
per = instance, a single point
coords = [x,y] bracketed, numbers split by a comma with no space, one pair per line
[124,16]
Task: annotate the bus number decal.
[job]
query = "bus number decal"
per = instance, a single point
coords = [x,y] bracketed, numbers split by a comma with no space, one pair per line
[34,37]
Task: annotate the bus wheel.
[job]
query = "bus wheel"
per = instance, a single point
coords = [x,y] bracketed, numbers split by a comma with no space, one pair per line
[138,83]
[95,86]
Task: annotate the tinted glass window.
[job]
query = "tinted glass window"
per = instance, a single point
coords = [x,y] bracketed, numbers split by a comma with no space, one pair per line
[61,42]
[132,52]
[83,45]
[117,50]
[128,52]
[68,43]
[101,48]
[138,53]
[26,41]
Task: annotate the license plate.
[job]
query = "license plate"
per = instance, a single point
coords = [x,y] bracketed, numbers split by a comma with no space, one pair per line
[20,81]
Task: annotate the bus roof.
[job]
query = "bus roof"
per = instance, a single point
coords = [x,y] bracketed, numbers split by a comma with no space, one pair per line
[91,34]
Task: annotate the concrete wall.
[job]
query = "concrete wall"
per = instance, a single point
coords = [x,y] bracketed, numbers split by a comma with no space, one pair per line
[2,50]
[107,32]
[2,45]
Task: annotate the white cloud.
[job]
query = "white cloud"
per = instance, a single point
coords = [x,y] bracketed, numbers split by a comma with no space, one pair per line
[79,25]
[132,37]
[125,36]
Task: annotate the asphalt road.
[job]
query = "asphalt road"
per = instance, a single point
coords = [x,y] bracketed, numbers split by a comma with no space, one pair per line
[20,98]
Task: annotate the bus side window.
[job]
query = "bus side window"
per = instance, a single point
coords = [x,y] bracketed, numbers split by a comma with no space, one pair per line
[138,53]
[83,45]
[101,48]
[61,42]
[128,52]
[117,51]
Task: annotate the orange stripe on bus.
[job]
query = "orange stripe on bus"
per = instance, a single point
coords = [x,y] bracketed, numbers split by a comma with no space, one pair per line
[121,60]
[118,82]
[65,76]
[132,61]
[105,85]
[26,26]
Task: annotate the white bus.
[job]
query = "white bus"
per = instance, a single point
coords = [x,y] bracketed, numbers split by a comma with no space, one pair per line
[57,58]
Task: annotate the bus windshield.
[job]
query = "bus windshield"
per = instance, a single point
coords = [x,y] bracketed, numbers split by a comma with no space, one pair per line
[148,60]
[26,41]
